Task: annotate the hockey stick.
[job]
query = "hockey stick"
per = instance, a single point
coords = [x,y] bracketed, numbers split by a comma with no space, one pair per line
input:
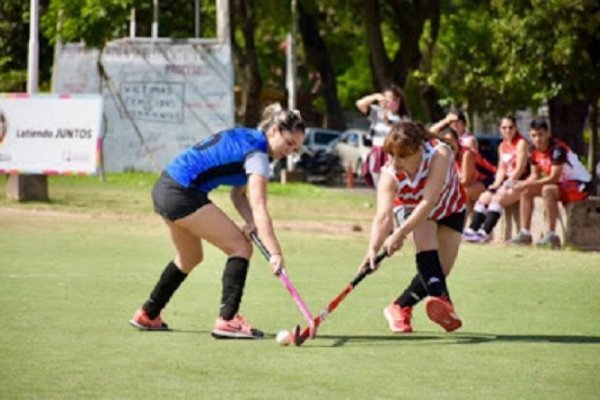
[299,338]
[284,279]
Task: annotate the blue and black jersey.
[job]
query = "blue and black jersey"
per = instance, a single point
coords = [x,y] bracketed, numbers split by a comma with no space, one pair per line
[218,159]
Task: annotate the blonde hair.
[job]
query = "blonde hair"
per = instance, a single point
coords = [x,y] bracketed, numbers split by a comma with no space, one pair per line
[286,120]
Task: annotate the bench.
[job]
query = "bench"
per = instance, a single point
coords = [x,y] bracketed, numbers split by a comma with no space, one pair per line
[578,224]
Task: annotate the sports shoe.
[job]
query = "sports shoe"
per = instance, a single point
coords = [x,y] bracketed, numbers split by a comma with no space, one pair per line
[468,235]
[441,311]
[479,237]
[550,239]
[143,322]
[522,239]
[398,318]
[237,328]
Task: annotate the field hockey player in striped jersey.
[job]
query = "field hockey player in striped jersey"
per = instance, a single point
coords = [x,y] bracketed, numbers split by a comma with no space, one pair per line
[421,183]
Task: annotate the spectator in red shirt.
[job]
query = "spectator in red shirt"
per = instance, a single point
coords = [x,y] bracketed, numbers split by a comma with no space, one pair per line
[556,175]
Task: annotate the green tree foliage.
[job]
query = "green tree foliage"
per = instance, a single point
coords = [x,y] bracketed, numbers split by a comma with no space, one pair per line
[503,55]
[93,21]
[14,38]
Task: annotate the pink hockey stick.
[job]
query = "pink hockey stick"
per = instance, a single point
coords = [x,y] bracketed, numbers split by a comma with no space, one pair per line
[283,277]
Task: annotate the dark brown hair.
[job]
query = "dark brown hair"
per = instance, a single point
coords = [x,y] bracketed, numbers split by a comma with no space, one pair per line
[405,138]
[399,94]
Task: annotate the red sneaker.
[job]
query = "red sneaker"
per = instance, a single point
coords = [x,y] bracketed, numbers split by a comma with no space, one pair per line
[398,318]
[142,321]
[441,311]
[237,328]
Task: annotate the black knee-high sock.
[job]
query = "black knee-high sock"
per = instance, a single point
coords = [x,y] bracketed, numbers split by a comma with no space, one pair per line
[169,281]
[234,280]
[477,219]
[414,293]
[491,219]
[431,274]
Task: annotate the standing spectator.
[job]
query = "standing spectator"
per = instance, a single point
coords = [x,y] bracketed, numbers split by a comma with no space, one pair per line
[239,158]
[457,121]
[383,110]
[556,175]
[421,175]
[512,166]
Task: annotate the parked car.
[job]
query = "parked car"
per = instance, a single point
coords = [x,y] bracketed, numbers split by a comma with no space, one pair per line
[316,139]
[352,148]
[312,158]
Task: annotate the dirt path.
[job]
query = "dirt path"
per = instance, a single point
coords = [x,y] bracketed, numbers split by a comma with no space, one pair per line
[332,227]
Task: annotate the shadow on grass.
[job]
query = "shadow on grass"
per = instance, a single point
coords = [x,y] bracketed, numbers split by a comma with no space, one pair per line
[457,338]
[462,338]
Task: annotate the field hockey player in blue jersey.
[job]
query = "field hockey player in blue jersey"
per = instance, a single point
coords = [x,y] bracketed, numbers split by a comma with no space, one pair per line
[239,158]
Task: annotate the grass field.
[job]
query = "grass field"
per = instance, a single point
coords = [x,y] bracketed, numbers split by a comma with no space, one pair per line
[73,271]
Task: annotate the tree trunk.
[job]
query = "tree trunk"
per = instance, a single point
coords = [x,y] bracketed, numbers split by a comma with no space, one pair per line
[380,62]
[246,61]
[567,119]
[317,55]
[431,97]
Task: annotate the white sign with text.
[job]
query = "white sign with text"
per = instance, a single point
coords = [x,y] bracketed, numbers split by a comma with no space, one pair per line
[50,134]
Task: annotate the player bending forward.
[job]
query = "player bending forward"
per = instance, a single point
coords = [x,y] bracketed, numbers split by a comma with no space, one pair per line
[421,176]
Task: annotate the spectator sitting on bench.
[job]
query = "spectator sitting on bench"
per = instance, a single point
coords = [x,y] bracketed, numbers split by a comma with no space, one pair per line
[512,166]
[556,175]
[476,173]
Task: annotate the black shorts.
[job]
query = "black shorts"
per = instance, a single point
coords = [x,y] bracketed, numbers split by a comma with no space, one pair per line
[455,221]
[173,201]
[488,181]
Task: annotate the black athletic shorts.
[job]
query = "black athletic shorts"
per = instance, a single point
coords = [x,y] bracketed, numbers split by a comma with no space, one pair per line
[173,201]
[455,221]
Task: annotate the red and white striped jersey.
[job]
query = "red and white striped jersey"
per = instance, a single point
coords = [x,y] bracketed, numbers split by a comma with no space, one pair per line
[508,154]
[410,191]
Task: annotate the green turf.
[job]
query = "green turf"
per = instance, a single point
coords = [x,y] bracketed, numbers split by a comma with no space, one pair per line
[69,282]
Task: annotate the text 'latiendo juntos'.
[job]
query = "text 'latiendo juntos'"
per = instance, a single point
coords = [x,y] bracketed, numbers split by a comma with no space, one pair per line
[60,133]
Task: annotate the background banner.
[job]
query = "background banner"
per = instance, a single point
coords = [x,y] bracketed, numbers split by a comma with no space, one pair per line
[160,97]
[50,134]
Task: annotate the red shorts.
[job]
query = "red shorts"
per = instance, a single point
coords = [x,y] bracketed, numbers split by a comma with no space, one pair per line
[573,191]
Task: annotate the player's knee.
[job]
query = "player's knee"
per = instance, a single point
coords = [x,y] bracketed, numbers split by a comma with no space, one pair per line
[240,248]
[550,192]
[187,262]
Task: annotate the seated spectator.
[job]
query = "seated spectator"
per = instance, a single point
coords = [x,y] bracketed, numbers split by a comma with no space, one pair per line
[476,173]
[457,121]
[556,175]
[512,166]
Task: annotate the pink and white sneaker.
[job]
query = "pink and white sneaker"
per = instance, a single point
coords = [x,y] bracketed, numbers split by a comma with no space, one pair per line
[143,322]
[398,318]
[441,311]
[236,328]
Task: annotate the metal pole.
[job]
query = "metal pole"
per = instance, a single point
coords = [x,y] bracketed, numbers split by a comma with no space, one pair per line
[223,27]
[34,49]
[155,19]
[132,23]
[197,18]
[291,61]
[30,187]
[290,78]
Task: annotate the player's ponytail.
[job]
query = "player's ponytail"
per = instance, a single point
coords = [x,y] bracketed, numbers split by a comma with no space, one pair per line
[286,120]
